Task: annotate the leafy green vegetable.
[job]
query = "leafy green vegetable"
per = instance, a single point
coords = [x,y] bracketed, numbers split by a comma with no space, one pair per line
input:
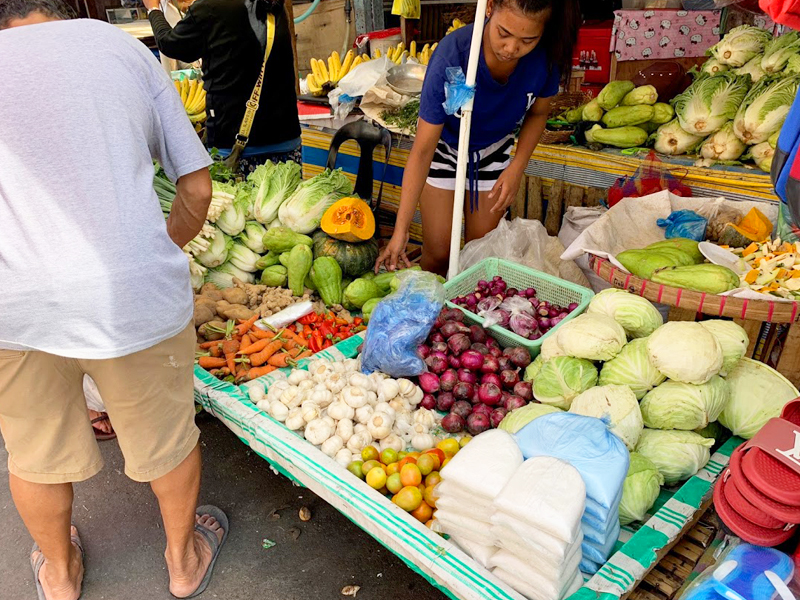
[404,118]
[561,379]
[732,339]
[618,404]
[217,252]
[676,454]
[710,102]
[223,276]
[640,490]
[765,107]
[517,419]
[632,367]
[740,44]
[638,317]
[303,211]
[778,51]
[241,257]
[676,405]
[273,186]
[253,237]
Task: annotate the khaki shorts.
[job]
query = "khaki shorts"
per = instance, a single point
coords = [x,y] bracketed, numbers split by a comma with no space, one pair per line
[148,396]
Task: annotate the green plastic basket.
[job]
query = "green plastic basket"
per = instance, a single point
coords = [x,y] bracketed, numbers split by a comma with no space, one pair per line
[549,288]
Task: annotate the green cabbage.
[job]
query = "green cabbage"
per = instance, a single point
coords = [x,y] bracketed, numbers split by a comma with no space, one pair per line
[677,455]
[550,348]
[758,394]
[752,68]
[732,339]
[592,336]
[241,257]
[618,404]
[673,140]
[723,145]
[740,44]
[303,211]
[632,367]
[638,317]
[676,405]
[765,107]
[275,186]
[223,276]
[561,379]
[685,351]
[778,51]
[532,370]
[517,419]
[710,102]
[217,252]
[253,237]
[640,490]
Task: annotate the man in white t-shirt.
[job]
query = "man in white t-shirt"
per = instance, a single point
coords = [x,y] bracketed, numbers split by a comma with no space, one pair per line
[94,282]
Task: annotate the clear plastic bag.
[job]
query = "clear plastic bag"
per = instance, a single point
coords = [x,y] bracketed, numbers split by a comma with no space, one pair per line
[456,91]
[401,322]
[684,224]
[355,84]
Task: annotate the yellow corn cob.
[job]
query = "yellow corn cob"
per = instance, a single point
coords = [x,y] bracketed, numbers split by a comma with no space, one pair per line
[412,49]
[390,53]
[348,62]
[323,71]
[377,53]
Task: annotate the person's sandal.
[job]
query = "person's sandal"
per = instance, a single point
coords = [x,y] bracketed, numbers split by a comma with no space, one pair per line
[213,541]
[36,565]
[102,436]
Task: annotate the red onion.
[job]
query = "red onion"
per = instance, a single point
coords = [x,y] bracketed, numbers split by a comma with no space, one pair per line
[524,390]
[490,364]
[451,328]
[513,403]
[472,360]
[544,323]
[462,408]
[471,300]
[509,379]
[453,314]
[482,348]
[572,306]
[452,423]
[454,361]
[477,334]
[478,423]
[436,337]
[505,363]
[519,356]
[458,343]
[467,376]
[423,351]
[429,382]
[463,390]
[489,394]
[428,402]
[475,396]
[492,378]
[482,409]
[491,342]
[496,351]
[438,354]
[444,401]
[439,347]
[436,364]
[448,380]
[498,414]
[504,397]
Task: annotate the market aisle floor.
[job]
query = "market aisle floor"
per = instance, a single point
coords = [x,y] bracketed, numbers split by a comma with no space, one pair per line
[121,528]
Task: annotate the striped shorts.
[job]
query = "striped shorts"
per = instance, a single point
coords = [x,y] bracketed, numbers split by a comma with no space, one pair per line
[491,162]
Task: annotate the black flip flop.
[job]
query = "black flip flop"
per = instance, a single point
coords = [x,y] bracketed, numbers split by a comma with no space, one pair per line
[213,542]
[102,436]
[36,565]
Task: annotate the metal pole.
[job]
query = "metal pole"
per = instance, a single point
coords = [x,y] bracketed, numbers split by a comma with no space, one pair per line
[463,141]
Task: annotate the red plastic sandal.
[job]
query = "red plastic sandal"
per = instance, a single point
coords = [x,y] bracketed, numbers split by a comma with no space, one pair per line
[785,513]
[746,509]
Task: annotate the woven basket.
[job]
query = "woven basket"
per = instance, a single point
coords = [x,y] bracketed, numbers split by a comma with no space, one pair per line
[709,304]
[563,101]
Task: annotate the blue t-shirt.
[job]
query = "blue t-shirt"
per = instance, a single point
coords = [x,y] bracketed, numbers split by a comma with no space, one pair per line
[498,107]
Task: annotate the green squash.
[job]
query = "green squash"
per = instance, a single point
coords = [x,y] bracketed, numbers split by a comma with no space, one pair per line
[354,259]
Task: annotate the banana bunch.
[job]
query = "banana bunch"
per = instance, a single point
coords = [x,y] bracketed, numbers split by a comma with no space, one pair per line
[457,24]
[399,55]
[324,75]
[193,97]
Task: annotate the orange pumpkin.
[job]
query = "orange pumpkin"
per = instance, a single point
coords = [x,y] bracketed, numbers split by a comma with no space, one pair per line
[349,220]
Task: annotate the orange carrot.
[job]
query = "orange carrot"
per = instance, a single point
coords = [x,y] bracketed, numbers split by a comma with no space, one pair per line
[304,354]
[230,361]
[246,341]
[215,351]
[243,328]
[260,334]
[291,345]
[279,360]
[230,347]
[259,358]
[257,372]
[256,346]
[211,362]
[291,335]
[207,345]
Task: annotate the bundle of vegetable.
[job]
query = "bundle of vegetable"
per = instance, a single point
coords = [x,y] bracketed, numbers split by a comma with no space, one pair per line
[273,184]
[518,310]
[740,45]
[765,107]
[343,411]
[723,145]
[779,50]
[304,209]
[470,376]
[710,102]
[673,140]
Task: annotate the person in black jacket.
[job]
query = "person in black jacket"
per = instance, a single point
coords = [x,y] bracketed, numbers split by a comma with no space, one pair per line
[230,38]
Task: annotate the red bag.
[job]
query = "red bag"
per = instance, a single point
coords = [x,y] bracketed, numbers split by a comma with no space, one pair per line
[650,178]
[785,12]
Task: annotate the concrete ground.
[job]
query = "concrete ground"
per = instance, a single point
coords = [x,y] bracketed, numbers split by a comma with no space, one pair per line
[121,529]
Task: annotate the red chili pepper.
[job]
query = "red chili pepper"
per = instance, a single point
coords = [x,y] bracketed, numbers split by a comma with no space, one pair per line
[326,330]
[316,340]
[306,320]
[327,344]
[358,321]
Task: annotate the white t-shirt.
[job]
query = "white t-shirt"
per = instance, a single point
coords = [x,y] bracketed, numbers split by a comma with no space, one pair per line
[87,269]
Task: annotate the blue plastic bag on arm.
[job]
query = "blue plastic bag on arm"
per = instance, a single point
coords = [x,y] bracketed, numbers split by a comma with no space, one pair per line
[684,224]
[456,91]
[401,322]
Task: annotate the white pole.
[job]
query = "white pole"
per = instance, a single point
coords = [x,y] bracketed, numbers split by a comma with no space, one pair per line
[463,141]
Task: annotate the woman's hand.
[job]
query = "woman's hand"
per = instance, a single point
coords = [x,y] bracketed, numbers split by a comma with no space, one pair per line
[506,187]
[394,253]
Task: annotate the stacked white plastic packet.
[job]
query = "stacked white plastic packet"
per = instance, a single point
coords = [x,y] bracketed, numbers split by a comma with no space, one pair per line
[600,458]
[537,525]
[470,482]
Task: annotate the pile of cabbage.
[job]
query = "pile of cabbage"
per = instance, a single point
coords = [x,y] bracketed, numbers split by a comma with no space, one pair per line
[658,385]
[738,102]
[232,240]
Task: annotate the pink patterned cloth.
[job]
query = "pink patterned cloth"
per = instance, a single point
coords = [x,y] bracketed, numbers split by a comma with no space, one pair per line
[662,34]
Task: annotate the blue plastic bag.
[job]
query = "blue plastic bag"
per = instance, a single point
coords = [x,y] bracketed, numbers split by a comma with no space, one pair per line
[456,91]
[684,224]
[401,322]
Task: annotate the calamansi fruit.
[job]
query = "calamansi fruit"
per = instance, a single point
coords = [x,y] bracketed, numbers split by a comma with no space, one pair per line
[370,453]
[426,463]
[388,456]
[409,498]
[422,513]
[449,445]
[393,483]
[410,475]
[376,478]
[355,468]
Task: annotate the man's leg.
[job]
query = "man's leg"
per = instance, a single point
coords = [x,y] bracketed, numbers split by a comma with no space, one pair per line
[46,510]
[188,553]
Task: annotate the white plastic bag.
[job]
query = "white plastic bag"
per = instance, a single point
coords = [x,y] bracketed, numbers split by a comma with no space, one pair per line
[93,399]
[467,528]
[356,83]
[480,553]
[576,220]
[550,584]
